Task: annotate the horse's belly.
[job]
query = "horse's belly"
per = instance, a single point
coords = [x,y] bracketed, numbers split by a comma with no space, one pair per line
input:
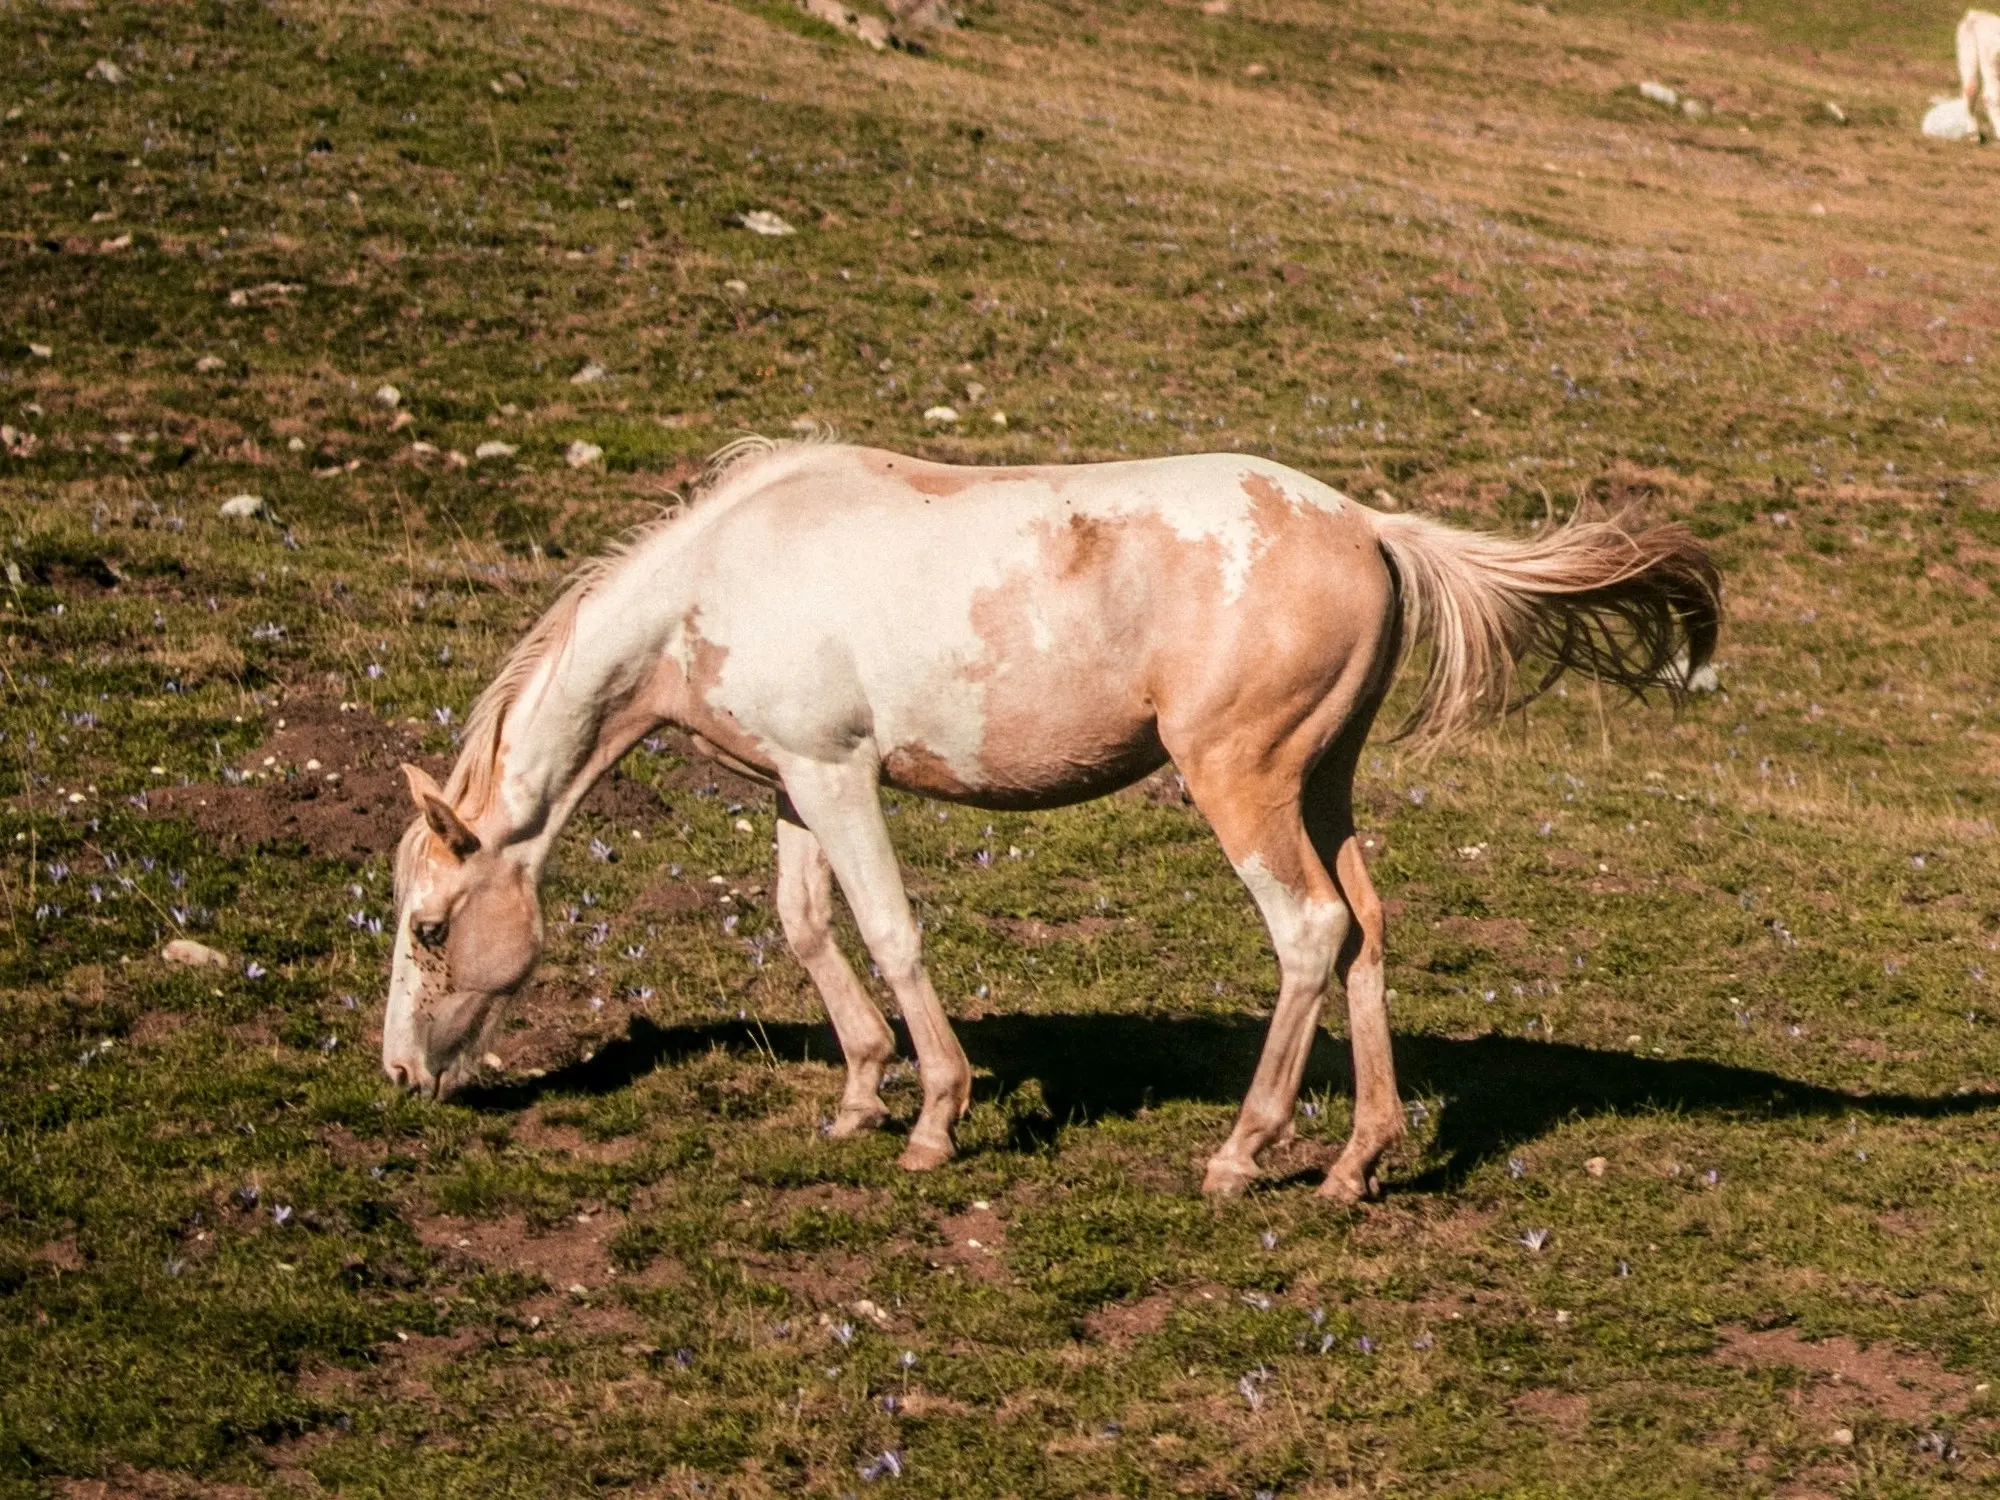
[1046,765]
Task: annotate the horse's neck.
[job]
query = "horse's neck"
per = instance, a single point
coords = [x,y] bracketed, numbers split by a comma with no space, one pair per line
[610,682]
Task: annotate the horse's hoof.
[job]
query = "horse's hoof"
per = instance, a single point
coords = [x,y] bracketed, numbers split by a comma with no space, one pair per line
[1226,1180]
[1345,1190]
[921,1156]
[857,1121]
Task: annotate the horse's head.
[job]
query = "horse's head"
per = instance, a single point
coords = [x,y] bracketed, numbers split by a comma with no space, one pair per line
[468,932]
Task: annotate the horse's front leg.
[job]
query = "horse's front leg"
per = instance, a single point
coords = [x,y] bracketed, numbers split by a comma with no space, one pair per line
[805,909]
[840,803]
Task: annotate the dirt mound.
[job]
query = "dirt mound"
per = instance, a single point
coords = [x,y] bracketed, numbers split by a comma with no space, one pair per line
[326,778]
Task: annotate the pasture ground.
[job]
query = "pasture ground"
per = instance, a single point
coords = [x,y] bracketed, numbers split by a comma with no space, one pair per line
[1708,997]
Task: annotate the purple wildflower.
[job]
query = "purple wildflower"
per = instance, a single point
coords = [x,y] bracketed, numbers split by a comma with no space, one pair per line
[254,970]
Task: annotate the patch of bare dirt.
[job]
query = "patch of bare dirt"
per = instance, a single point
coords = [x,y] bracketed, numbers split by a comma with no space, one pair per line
[155,1026]
[975,1240]
[1121,1325]
[532,1131]
[60,1255]
[1564,1412]
[1848,1380]
[327,777]
[568,1255]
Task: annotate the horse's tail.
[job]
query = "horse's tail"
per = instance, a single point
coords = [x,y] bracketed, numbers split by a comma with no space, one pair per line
[1968,58]
[1636,608]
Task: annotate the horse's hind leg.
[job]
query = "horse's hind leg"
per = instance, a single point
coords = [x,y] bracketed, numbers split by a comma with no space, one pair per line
[840,803]
[805,908]
[1378,1111]
[1257,818]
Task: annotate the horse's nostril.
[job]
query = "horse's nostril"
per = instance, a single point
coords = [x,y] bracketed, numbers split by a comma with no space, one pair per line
[401,1074]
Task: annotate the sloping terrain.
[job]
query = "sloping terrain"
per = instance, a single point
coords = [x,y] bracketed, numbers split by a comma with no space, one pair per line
[1694,1010]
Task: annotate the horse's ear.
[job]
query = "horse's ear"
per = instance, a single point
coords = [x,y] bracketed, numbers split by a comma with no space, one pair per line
[441,815]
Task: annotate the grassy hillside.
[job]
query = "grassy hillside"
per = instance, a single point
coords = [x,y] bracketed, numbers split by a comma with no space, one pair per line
[1704,995]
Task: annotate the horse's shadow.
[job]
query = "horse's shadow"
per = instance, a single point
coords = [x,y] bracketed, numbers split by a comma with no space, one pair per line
[1498,1092]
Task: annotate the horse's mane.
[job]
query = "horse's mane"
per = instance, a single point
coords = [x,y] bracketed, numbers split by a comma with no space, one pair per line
[472,783]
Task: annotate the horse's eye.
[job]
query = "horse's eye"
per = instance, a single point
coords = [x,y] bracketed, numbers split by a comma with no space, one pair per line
[430,934]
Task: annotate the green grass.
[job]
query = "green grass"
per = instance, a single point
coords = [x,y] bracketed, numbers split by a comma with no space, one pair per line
[1447,254]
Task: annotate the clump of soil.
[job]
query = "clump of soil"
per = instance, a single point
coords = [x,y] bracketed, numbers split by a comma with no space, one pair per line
[327,779]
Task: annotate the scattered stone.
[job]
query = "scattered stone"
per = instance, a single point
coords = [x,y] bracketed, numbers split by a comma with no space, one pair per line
[104,70]
[941,414]
[1597,1166]
[974,392]
[189,954]
[108,247]
[581,455]
[295,445]
[1660,94]
[208,364]
[763,221]
[494,449]
[998,419]
[1834,112]
[1256,70]
[1694,109]
[493,1062]
[1818,210]
[1386,501]
[244,508]
[740,288]
[1950,119]
[590,374]
[270,291]
[42,351]
[388,396]
[1843,1437]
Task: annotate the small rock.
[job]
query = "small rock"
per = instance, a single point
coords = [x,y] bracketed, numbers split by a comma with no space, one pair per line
[244,508]
[495,449]
[492,1060]
[189,954]
[998,419]
[581,455]
[740,288]
[42,351]
[1818,210]
[869,1310]
[1843,1437]
[974,393]
[1660,94]
[295,445]
[388,396]
[1386,501]
[763,221]
[941,414]
[1834,112]
[208,364]
[590,374]
[1596,1166]
[1694,109]
[1256,70]
[104,70]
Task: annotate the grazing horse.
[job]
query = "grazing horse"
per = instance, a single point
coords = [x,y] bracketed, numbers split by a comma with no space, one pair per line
[1979,62]
[832,619]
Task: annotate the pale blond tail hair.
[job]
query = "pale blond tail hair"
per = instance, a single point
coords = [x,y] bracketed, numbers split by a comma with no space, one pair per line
[1638,609]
